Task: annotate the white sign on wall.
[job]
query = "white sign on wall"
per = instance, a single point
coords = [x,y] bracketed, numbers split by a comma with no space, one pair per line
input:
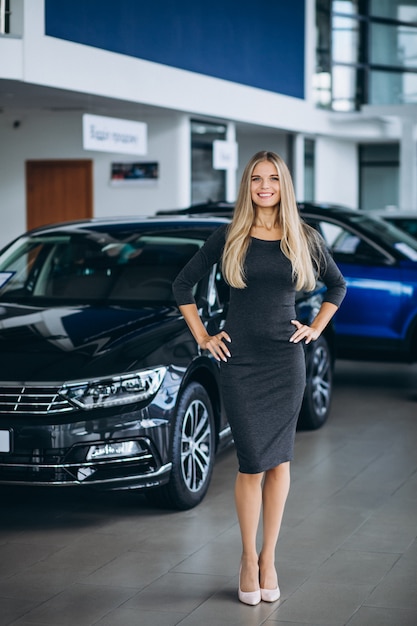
[111,134]
[224,155]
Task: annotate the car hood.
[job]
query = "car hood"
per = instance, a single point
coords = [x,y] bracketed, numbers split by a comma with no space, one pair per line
[75,342]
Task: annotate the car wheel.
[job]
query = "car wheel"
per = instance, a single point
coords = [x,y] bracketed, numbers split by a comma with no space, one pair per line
[318,393]
[193,450]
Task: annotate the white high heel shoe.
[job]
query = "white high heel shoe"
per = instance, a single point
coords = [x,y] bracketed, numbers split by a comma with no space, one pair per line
[270,595]
[249,597]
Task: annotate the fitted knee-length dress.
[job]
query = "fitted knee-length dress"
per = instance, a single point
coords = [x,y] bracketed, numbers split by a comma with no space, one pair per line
[263,381]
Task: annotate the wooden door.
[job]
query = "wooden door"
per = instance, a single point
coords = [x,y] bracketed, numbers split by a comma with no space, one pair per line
[58,191]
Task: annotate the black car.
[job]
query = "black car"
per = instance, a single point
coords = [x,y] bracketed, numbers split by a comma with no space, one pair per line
[101,383]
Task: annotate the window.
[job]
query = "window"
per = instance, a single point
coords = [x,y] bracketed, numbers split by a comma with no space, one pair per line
[378,176]
[349,247]
[207,184]
[309,170]
[4,17]
[366,53]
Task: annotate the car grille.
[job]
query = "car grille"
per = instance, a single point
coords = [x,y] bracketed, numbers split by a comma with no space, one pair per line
[31,399]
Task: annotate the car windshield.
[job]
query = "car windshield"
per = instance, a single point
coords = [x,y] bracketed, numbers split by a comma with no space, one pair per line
[389,233]
[92,266]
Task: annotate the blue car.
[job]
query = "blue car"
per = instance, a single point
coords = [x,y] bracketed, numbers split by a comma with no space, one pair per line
[378,318]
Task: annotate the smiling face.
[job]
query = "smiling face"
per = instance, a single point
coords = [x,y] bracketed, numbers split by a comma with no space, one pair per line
[265,188]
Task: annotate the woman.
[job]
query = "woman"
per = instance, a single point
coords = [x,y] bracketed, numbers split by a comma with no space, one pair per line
[267,254]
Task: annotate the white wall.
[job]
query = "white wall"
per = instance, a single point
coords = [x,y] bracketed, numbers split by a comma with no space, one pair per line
[337,172]
[169,144]
[59,136]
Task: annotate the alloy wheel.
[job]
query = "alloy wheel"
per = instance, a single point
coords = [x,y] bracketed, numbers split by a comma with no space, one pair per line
[195,445]
[321,380]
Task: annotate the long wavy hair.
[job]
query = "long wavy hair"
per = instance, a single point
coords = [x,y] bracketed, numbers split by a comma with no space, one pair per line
[300,243]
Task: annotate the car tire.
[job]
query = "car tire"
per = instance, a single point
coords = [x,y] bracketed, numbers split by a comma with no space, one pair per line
[192,453]
[319,386]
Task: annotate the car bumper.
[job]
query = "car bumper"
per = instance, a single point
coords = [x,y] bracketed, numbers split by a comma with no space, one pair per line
[59,454]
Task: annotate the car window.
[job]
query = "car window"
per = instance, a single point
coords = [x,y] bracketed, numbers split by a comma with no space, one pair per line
[406,224]
[95,266]
[388,233]
[349,246]
[372,229]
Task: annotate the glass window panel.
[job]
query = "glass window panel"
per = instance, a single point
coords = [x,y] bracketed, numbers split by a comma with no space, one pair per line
[345,39]
[344,88]
[207,184]
[309,169]
[394,45]
[392,88]
[349,7]
[380,153]
[409,95]
[405,10]
[323,38]
[322,89]
[379,187]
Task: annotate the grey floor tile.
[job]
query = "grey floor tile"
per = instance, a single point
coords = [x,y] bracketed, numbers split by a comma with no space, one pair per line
[177,592]
[140,617]
[356,568]
[322,603]
[15,557]
[383,532]
[224,609]
[315,539]
[278,622]
[34,587]
[292,577]
[82,605]
[371,616]
[398,589]
[60,573]
[11,610]
[408,491]
[23,622]
[133,570]
[214,558]
[199,533]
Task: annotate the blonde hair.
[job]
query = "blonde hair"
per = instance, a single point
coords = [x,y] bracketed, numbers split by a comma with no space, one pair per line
[300,243]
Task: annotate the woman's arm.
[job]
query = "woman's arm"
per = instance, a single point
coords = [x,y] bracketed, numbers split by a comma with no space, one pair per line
[313,332]
[336,290]
[213,343]
[195,269]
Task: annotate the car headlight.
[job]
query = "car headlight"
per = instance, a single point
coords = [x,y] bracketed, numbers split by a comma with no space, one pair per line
[115,390]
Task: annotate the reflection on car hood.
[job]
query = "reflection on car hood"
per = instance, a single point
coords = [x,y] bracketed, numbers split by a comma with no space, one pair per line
[76,342]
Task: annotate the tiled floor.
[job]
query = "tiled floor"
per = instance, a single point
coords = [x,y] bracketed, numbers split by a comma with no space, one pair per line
[347,552]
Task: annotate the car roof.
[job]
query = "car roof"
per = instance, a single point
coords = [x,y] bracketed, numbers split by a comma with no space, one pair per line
[150,223]
[394,213]
[225,209]
[210,208]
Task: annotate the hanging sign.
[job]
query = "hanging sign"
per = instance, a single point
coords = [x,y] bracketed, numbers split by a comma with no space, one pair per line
[111,134]
[224,155]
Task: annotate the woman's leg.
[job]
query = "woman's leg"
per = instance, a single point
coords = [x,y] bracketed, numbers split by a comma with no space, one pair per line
[274,495]
[248,498]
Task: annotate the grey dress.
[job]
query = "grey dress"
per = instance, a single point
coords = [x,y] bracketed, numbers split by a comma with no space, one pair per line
[263,382]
